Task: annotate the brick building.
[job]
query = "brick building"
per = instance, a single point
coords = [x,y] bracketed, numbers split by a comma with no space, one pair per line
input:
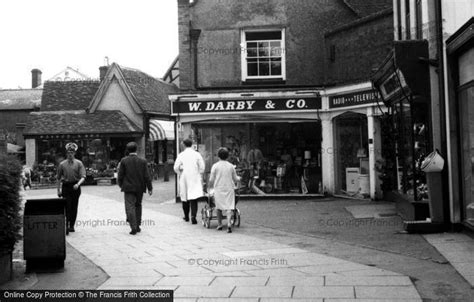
[282,84]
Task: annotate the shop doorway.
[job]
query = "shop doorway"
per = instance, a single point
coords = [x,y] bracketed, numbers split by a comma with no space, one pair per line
[351,154]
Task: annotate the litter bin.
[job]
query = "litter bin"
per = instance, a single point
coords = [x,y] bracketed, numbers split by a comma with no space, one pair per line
[432,165]
[44,233]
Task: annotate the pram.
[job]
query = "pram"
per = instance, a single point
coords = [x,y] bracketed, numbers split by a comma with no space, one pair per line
[208,210]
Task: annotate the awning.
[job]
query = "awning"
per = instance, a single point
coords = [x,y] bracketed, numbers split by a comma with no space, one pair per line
[161,130]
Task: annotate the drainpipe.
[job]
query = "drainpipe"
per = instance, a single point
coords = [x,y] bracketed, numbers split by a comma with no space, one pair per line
[442,106]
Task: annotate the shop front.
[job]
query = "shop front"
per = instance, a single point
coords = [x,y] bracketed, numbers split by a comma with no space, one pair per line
[460,48]
[101,138]
[404,85]
[352,115]
[274,138]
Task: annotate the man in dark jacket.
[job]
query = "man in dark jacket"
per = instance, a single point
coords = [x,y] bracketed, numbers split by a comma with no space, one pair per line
[134,179]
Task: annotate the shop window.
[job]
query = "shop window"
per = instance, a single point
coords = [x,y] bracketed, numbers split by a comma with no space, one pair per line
[263,55]
[272,158]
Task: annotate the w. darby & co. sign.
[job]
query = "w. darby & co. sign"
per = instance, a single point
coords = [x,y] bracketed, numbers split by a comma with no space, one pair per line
[247,105]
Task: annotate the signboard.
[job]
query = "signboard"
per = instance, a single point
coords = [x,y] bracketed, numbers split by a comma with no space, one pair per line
[353,99]
[246,105]
[393,85]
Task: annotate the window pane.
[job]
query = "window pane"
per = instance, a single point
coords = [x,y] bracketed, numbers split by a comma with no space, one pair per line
[276,50]
[252,67]
[252,52]
[263,49]
[264,67]
[275,67]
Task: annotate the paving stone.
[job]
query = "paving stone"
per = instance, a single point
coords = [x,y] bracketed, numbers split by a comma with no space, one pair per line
[262,292]
[135,281]
[167,281]
[386,292]
[295,281]
[203,291]
[240,281]
[368,281]
[323,292]
[277,272]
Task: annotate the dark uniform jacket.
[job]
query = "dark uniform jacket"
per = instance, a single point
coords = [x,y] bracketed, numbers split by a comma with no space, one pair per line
[133,175]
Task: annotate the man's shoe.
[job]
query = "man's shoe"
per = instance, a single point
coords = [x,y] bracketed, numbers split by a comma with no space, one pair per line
[229,230]
[219,228]
[139,230]
[194,221]
[71,229]
[186,219]
[133,232]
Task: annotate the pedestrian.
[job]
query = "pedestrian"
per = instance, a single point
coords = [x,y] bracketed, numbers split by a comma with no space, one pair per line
[189,165]
[134,179]
[26,177]
[71,175]
[223,182]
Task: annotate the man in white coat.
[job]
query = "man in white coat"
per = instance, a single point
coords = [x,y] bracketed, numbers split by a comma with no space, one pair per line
[190,166]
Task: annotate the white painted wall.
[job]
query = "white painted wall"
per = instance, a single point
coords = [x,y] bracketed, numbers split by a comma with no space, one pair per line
[115,99]
[30,149]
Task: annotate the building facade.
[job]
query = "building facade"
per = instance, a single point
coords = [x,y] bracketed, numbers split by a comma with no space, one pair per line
[279,85]
[101,117]
[436,26]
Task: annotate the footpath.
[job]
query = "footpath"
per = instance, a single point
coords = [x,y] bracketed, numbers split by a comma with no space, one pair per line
[202,264]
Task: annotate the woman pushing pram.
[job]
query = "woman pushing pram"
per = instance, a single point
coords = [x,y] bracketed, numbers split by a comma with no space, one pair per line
[222,184]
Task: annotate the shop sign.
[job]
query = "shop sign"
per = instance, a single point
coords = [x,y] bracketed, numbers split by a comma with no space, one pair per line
[247,105]
[62,136]
[353,99]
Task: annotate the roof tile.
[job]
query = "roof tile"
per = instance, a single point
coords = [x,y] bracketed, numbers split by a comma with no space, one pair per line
[68,95]
[79,122]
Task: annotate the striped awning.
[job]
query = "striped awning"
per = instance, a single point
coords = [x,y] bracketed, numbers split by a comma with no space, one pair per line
[161,130]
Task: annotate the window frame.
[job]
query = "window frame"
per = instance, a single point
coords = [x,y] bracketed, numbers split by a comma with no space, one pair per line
[243,43]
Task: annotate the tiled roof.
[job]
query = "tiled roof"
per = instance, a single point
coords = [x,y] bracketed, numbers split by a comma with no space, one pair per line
[68,95]
[150,93]
[79,122]
[368,7]
[20,99]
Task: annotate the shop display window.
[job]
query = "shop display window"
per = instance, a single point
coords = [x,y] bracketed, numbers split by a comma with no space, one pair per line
[411,142]
[271,158]
[100,156]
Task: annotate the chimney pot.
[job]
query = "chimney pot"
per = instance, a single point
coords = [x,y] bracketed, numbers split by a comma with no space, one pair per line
[103,72]
[35,78]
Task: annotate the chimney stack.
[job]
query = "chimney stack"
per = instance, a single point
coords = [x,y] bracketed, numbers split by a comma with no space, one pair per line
[103,72]
[35,78]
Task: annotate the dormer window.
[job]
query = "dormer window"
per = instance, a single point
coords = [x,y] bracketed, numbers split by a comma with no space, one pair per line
[263,54]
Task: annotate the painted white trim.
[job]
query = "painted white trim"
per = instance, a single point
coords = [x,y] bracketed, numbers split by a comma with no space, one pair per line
[243,54]
[347,88]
